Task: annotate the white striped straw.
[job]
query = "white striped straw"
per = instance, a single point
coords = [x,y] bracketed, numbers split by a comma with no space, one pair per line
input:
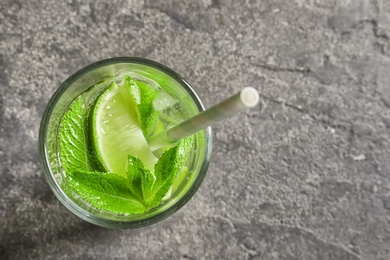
[248,97]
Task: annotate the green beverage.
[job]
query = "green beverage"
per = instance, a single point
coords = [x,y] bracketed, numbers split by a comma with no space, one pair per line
[94,143]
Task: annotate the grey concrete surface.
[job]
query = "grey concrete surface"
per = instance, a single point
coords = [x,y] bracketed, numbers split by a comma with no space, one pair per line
[304,176]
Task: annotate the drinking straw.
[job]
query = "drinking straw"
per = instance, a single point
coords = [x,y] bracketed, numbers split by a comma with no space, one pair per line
[248,97]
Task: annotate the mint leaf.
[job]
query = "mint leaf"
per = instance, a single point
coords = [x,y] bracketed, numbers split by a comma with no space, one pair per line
[179,178]
[143,95]
[151,123]
[185,146]
[73,149]
[108,191]
[149,115]
[135,171]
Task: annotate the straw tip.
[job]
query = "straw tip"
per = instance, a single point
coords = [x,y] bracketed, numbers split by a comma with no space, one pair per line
[249,96]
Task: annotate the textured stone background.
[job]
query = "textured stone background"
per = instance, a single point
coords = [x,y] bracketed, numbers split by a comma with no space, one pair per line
[306,176]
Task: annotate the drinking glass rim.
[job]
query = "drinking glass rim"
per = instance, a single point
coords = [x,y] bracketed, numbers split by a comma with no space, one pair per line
[64,198]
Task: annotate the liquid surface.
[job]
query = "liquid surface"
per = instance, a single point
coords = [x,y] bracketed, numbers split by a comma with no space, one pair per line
[103,147]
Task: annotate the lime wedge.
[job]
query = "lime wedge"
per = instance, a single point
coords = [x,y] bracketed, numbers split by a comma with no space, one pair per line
[116,131]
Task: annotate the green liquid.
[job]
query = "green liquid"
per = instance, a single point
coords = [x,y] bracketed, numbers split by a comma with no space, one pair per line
[103,150]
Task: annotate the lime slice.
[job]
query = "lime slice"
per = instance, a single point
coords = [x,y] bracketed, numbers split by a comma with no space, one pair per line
[116,131]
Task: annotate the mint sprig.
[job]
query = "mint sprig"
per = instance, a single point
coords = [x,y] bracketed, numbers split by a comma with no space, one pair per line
[142,190]
[152,188]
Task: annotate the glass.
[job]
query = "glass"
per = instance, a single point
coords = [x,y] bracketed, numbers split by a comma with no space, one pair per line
[81,81]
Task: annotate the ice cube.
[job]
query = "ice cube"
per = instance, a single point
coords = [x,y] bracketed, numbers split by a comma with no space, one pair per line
[163,101]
